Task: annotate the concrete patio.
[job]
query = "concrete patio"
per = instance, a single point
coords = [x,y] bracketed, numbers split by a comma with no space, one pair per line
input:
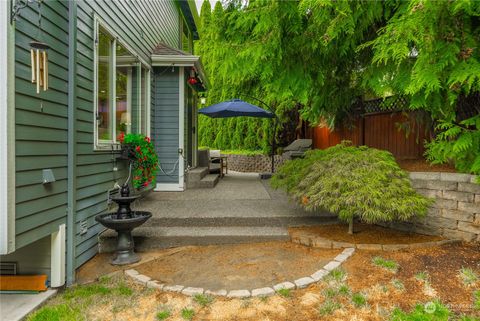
[240,209]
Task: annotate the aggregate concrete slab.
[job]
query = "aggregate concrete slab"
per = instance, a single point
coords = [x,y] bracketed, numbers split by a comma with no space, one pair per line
[15,307]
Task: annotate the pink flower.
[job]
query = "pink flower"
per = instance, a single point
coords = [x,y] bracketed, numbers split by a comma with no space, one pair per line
[121,137]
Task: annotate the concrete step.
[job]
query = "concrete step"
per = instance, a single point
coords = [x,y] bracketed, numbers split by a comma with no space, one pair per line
[147,238]
[194,175]
[259,221]
[209,181]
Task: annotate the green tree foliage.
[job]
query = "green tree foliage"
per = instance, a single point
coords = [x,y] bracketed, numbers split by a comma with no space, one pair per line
[322,55]
[354,182]
[429,51]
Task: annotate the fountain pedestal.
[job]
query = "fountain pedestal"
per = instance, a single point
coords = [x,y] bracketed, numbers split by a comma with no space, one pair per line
[123,222]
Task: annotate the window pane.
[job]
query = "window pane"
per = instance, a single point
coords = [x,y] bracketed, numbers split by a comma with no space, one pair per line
[123,87]
[104,114]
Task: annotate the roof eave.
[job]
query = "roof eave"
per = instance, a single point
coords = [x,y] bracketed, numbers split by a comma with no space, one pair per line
[181,61]
[176,60]
[190,12]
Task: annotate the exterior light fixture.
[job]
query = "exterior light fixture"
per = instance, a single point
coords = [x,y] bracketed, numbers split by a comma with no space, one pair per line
[203,100]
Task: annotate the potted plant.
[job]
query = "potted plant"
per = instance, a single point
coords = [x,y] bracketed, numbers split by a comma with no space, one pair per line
[140,151]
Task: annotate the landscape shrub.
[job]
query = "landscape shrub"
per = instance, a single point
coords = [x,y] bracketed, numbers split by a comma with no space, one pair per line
[353,182]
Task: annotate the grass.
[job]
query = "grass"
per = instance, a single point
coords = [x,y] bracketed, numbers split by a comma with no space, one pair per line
[390,265]
[203,299]
[476,300]
[468,276]
[344,290]
[337,275]
[359,300]
[286,293]
[60,312]
[74,302]
[332,292]
[397,284]
[328,307]
[437,312]
[164,314]
[422,276]
[187,313]
[86,291]
[329,293]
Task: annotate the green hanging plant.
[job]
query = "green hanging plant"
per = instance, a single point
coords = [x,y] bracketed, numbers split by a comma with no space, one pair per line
[140,150]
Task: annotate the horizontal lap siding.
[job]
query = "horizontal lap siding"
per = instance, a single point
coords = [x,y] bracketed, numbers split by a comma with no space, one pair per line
[41,124]
[141,25]
[165,130]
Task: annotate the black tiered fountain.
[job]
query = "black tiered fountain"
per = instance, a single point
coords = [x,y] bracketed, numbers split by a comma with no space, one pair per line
[123,222]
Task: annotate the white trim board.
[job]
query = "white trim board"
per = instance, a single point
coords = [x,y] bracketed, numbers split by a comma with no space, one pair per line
[166,187]
[181,128]
[7,132]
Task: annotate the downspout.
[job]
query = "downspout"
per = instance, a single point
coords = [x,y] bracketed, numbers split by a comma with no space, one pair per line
[72,151]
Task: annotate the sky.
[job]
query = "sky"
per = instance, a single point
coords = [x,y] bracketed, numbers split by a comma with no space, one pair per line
[200,2]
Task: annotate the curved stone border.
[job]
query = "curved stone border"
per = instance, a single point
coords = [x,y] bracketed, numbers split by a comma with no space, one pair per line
[321,242]
[244,293]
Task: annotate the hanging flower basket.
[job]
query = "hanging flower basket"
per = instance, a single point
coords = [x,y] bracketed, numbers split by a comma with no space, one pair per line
[196,84]
[139,149]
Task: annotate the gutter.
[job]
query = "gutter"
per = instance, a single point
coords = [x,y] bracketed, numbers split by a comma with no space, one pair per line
[72,150]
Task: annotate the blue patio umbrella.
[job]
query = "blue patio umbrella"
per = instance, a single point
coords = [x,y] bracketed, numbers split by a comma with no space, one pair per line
[239,108]
[235,108]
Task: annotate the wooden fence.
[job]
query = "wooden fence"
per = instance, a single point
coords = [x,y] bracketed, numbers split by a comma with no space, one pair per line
[379,124]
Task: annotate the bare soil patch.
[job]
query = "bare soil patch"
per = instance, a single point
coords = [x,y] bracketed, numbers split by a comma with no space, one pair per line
[239,266]
[377,284]
[441,264]
[421,165]
[364,234]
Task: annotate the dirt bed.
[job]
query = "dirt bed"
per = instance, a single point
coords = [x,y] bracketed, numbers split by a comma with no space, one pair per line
[364,234]
[421,165]
[383,290]
[241,266]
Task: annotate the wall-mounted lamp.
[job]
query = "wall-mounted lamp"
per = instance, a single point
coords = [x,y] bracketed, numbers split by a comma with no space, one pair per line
[203,100]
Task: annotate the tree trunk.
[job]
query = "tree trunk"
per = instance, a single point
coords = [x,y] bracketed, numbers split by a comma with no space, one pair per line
[350,226]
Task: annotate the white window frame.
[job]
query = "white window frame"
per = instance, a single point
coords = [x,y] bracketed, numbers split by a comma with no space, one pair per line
[103,145]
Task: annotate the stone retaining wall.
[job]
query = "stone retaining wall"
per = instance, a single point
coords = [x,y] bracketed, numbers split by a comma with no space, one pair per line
[456,211]
[252,164]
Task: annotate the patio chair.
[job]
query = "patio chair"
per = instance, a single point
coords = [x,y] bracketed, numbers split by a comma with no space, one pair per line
[218,163]
[297,149]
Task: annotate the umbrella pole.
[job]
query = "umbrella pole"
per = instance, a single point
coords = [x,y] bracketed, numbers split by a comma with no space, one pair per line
[273,144]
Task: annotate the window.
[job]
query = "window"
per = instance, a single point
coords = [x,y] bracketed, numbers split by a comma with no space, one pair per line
[122,91]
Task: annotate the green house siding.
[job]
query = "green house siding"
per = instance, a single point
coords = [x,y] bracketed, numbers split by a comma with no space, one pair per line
[42,120]
[165,127]
[41,125]
[141,25]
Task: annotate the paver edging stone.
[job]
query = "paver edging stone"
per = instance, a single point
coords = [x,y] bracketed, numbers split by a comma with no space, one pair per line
[324,243]
[244,293]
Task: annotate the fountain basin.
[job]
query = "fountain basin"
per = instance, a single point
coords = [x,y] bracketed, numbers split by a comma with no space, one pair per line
[110,220]
[125,253]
